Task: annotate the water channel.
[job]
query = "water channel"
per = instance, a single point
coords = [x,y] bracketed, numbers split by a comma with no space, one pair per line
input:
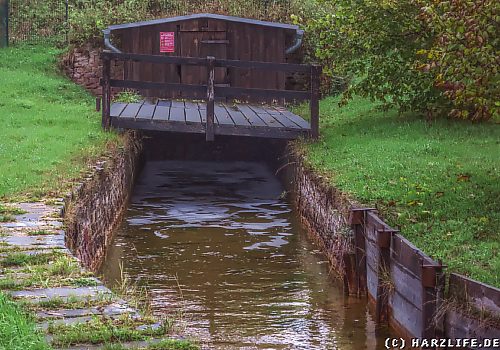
[218,245]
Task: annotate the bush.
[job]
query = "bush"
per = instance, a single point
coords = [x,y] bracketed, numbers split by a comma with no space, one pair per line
[89,17]
[464,57]
[431,57]
[36,19]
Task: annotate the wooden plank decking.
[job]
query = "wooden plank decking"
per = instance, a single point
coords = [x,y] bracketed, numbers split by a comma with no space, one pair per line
[190,117]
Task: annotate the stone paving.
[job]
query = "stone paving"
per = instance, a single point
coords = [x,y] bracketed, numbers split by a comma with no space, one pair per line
[52,284]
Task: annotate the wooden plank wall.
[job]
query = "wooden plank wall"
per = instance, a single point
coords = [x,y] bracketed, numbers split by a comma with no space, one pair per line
[482,304]
[252,43]
[399,290]
[405,287]
[244,42]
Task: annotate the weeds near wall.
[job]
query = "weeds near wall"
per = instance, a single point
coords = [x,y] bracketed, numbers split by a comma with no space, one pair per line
[136,296]
[385,281]
[484,318]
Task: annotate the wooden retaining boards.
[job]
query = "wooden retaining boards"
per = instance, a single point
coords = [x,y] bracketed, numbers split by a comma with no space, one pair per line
[406,287]
[476,298]
[403,284]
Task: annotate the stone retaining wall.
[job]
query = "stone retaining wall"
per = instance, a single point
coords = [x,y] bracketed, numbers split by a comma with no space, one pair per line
[83,65]
[325,212]
[94,208]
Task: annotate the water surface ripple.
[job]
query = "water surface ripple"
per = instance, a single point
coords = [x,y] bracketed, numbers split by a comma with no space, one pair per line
[249,277]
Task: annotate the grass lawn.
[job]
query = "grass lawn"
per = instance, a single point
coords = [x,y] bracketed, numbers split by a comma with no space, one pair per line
[49,132]
[17,329]
[438,182]
[49,128]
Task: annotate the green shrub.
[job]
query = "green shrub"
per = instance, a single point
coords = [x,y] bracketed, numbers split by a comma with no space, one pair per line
[36,19]
[372,44]
[464,58]
[438,57]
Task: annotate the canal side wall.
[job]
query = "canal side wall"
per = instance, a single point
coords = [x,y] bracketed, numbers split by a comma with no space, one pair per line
[325,212]
[404,286]
[95,206]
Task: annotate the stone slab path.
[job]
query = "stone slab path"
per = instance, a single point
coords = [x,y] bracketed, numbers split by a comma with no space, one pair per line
[37,270]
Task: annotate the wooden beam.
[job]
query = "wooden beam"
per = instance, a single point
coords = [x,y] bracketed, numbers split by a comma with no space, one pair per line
[188,61]
[314,102]
[132,84]
[195,61]
[106,93]
[277,67]
[357,221]
[236,92]
[210,99]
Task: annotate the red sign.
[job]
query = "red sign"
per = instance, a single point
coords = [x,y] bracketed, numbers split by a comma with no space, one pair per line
[167,42]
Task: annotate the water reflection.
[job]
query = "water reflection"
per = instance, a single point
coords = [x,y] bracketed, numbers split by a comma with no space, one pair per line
[248,276]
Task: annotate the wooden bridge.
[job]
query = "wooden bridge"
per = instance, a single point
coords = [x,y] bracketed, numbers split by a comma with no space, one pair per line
[209,108]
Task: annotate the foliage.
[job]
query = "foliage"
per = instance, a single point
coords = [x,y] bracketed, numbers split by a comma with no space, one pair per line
[319,42]
[374,42]
[37,19]
[7,213]
[17,329]
[433,57]
[49,130]
[438,182]
[89,17]
[464,58]
[128,96]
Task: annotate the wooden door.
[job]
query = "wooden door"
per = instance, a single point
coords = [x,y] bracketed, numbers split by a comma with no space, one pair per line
[203,44]
[202,39]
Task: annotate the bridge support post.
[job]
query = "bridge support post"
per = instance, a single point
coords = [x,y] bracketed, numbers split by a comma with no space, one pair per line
[314,103]
[209,132]
[106,92]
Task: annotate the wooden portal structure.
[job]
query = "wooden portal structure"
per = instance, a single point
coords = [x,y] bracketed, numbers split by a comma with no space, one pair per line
[231,69]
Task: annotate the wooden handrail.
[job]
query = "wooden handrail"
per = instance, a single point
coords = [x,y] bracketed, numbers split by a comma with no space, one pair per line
[197,61]
[191,61]
[134,84]
[313,71]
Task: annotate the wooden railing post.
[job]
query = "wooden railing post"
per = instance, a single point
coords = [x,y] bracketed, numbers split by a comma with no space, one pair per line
[209,132]
[314,102]
[106,91]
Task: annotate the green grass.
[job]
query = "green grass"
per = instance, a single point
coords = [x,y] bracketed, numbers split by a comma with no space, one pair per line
[42,270]
[49,128]
[20,259]
[168,344]
[17,329]
[101,330]
[439,182]
[71,302]
[7,213]
[41,233]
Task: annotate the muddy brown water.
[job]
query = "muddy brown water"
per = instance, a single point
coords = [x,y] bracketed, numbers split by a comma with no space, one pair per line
[219,247]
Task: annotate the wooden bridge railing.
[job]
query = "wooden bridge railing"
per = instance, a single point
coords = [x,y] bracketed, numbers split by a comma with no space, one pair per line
[211,91]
